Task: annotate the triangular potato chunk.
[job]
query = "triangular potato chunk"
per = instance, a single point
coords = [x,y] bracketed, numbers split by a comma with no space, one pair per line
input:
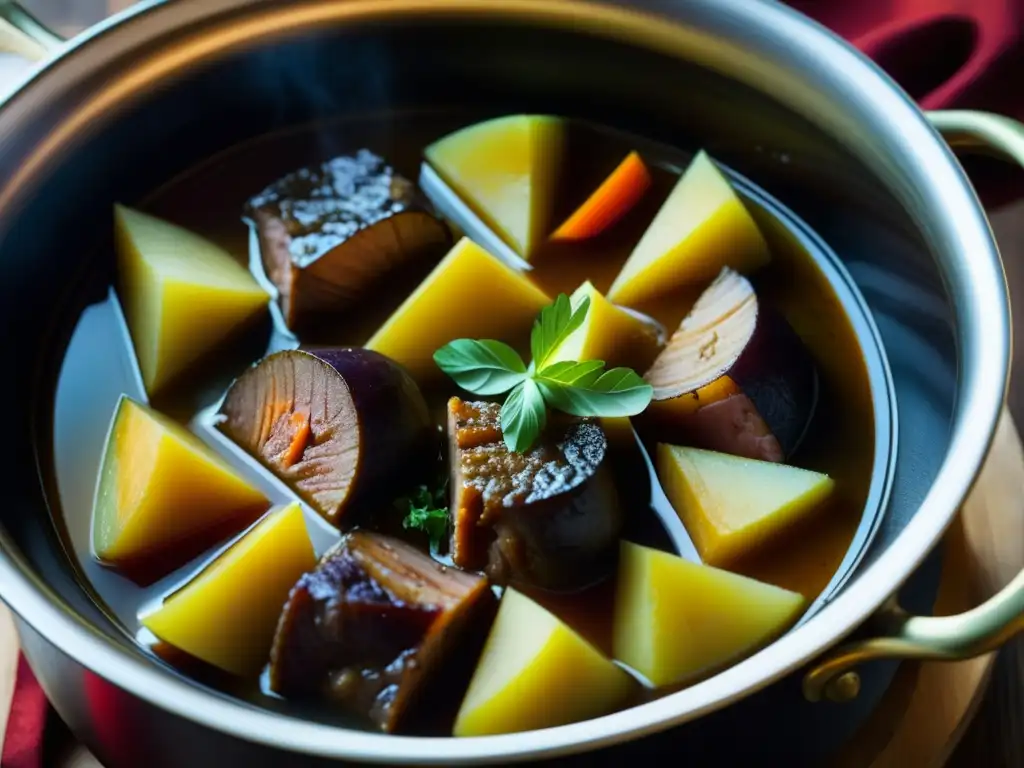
[226,616]
[676,621]
[164,496]
[608,333]
[702,227]
[471,294]
[505,170]
[731,505]
[182,294]
[535,672]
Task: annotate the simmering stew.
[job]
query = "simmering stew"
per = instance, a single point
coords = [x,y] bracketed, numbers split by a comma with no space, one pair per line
[427,474]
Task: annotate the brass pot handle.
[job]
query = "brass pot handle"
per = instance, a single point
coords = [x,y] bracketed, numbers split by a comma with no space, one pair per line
[979,630]
[23,34]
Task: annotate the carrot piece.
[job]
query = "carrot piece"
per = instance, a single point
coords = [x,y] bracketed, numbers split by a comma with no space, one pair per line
[299,439]
[617,194]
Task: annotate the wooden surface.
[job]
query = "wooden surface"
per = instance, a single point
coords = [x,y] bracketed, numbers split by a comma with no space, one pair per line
[927,714]
[929,707]
[996,737]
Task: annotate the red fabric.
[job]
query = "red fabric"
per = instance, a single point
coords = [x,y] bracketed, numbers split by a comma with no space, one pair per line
[945,53]
[26,723]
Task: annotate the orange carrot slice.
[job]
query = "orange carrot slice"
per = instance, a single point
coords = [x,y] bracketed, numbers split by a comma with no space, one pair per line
[299,423]
[609,202]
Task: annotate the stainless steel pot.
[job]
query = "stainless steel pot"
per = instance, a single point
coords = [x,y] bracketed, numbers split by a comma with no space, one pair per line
[137,99]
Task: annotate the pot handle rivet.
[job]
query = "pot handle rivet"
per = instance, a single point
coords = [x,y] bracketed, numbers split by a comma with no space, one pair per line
[844,688]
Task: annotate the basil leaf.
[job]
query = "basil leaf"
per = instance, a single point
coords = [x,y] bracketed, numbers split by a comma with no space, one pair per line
[571,372]
[581,389]
[488,367]
[523,416]
[481,366]
[555,323]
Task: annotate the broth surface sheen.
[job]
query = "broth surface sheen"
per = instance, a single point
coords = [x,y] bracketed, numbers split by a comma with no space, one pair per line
[99,368]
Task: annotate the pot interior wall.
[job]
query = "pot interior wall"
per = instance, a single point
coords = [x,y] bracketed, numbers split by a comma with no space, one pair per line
[57,255]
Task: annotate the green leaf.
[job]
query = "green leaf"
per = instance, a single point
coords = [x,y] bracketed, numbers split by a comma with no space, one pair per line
[434,522]
[481,366]
[523,416]
[426,513]
[585,389]
[571,372]
[581,389]
[555,323]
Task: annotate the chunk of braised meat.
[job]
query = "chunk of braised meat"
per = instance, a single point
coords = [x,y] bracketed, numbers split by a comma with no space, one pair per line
[337,425]
[328,233]
[373,626]
[547,518]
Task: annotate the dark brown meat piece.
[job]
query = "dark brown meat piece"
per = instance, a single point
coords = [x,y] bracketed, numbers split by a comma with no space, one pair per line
[329,233]
[546,518]
[337,425]
[372,626]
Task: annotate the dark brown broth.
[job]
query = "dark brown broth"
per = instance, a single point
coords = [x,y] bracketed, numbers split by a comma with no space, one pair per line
[209,200]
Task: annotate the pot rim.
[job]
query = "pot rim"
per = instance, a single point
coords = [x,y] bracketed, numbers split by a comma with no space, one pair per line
[933,186]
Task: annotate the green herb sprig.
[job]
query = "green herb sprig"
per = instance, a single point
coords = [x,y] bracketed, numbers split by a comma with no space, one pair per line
[425,511]
[489,367]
